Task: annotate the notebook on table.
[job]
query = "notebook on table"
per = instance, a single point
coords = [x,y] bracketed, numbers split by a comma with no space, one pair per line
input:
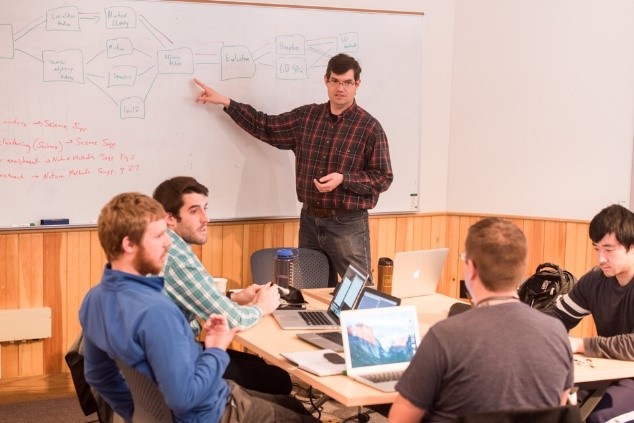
[319,362]
[344,298]
[417,272]
[369,298]
[379,344]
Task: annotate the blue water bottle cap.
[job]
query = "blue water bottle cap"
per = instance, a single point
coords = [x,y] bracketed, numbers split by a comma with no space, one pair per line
[284,253]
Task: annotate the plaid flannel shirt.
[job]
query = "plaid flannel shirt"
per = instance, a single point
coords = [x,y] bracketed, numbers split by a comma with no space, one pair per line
[354,145]
[192,288]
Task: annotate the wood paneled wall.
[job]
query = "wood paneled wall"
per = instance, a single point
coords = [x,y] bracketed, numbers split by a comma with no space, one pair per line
[55,267]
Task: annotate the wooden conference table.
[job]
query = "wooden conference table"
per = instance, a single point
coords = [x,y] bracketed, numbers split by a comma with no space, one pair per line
[268,340]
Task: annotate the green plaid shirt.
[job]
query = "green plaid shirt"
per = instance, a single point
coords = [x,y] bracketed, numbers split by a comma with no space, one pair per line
[192,288]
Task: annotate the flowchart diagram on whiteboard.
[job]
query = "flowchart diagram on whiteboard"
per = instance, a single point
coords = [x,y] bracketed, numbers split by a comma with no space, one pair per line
[125,68]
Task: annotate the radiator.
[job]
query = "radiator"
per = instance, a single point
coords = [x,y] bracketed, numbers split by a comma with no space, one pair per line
[21,324]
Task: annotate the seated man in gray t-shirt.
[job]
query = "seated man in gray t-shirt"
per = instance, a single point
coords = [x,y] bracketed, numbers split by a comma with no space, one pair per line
[500,355]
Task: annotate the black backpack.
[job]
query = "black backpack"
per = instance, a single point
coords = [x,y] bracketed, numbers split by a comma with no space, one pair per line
[542,289]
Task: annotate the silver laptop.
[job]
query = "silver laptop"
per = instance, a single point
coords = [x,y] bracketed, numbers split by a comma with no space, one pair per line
[344,298]
[332,340]
[379,344]
[417,272]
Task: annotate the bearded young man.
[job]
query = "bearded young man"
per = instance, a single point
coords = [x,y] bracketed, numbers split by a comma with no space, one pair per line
[127,317]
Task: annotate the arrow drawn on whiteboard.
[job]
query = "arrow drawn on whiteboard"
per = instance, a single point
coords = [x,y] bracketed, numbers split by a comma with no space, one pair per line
[89,79]
[29,54]
[257,55]
[147,70]
[29,27]
[153,30]
[90,17]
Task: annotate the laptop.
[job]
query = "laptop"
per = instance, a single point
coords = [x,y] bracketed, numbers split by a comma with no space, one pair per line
[344,298]
[332,340]
[379,344]
[417,273]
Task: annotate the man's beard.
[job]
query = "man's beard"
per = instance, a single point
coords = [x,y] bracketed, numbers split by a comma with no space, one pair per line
[144,265]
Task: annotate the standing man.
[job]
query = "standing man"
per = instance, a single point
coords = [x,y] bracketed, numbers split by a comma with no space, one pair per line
[500,355]
[342,163]
[607,293]
[192,288]
[127,318]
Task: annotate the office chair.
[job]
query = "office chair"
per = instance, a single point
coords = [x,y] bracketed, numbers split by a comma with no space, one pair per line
[89,400]
[149,403]
[458,307]
[562,414]
[311,270]
[311,267]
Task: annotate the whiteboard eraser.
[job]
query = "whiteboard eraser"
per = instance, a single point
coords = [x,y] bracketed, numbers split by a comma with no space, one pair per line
[54,222]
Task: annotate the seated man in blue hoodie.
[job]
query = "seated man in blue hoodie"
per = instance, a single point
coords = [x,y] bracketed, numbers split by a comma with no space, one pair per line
[126,317]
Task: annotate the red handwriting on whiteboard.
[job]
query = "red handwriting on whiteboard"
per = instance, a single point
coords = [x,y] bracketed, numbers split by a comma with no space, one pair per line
[52,150]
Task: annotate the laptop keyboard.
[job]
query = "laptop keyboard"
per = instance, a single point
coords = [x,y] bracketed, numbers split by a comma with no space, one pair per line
[315,318]
[332,336]
[384,377]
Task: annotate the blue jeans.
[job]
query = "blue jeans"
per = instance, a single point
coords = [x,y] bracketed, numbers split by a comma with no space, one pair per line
[345,239]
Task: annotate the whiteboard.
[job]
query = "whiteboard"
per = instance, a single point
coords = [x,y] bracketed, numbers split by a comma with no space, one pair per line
[98,99]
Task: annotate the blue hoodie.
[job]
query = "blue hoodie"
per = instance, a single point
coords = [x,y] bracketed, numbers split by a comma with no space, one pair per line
[127,317]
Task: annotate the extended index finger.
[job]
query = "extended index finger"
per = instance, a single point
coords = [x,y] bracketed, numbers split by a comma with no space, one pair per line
[200,84]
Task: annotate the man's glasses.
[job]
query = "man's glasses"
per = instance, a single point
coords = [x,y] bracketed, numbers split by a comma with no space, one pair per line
[349,83]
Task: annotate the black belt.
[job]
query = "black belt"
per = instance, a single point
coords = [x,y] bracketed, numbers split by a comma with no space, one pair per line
[319,212]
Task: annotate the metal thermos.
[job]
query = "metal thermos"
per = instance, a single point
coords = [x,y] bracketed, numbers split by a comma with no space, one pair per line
[283,268]
[386,267]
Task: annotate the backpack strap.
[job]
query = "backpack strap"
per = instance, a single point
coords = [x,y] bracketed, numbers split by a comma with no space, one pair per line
[552,266]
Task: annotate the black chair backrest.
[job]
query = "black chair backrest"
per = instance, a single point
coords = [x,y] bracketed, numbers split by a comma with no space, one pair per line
[89,400]
[149,403]
[459,307]
[563,414]
[311,267]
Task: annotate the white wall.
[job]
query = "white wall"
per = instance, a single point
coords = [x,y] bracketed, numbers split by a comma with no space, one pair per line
[632,184]
[542,110]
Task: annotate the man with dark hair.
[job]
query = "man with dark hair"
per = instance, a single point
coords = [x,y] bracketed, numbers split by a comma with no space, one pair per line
[127,318]
[192,288]
[470,362]
[607,293]
[342,163]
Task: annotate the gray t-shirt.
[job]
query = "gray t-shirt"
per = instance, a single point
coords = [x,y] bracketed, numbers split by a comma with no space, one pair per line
[505,356]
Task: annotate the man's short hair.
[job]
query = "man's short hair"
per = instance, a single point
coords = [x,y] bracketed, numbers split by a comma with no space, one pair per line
[126,214]
[613,219]
[342,63]
[498,251]
[170,193]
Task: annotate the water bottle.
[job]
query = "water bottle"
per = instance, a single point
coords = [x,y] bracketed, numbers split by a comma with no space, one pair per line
[386,267]
[284,268]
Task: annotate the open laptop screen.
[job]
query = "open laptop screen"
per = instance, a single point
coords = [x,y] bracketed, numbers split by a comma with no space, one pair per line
[371,298]
[348,291]
[382,339]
